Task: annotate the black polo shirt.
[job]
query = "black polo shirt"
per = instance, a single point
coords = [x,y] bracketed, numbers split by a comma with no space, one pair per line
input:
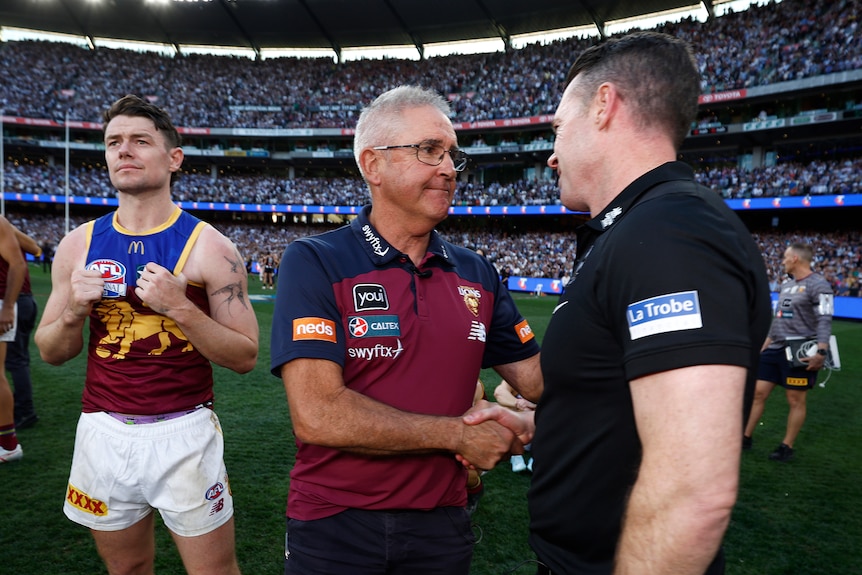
[667,277]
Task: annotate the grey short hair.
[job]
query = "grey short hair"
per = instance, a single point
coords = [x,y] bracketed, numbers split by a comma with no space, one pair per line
[376,126]
[803,250]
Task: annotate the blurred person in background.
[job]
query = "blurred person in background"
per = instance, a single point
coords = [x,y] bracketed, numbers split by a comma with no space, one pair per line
[16,270]
[804,312]
[18,350]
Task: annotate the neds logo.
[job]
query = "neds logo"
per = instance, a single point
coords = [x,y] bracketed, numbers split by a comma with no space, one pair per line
[368,297]
[314,328]
[525,332]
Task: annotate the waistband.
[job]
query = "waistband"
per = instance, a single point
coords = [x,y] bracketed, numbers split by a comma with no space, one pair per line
[144,419]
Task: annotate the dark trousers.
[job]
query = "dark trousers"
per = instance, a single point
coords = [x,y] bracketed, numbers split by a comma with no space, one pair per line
[18,357]
[358,542]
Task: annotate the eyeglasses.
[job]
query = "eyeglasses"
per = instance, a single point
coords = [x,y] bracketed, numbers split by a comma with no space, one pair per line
[432,154]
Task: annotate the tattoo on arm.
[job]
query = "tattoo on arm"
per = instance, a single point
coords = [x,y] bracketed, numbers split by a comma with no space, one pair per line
[232,292]
[235,265]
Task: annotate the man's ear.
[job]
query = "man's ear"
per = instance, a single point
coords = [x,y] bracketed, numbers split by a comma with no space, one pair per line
[370,163]
[606,102]
[177,155]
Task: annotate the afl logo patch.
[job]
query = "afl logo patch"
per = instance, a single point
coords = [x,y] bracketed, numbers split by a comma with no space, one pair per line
[111,270]
[215,491]
[114,274]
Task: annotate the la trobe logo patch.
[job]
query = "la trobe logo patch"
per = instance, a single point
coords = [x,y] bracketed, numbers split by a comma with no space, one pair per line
[664,313]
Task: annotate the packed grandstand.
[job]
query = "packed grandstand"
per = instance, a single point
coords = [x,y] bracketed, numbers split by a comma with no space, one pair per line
[780,116]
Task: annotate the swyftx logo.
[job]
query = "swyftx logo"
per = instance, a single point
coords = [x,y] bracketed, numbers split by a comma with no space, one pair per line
[378,351]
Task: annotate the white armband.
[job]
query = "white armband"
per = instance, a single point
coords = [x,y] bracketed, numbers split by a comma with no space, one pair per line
[826,305]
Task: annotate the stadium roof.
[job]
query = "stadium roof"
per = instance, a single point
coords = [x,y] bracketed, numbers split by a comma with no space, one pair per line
[319,24]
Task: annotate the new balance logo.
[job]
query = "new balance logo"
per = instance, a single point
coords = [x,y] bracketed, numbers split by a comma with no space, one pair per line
[477,331]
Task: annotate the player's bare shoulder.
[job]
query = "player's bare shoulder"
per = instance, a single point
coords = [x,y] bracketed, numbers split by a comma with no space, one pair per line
[216,264]
[71,252]
[212,257]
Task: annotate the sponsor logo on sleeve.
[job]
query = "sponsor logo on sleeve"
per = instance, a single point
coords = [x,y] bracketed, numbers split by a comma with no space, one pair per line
[369,297]
[374,326]
[524,331]
[114,274]
[314,328]
[665,313]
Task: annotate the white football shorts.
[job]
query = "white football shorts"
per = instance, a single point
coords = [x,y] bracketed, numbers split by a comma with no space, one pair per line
[121,472]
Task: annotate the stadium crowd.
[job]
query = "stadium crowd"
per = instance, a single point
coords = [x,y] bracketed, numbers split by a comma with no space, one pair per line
[534,254]
[819,177]
[784,179]
[765,44]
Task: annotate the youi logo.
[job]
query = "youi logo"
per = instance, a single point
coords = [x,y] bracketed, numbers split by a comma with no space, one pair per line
[368,297]
[664,313]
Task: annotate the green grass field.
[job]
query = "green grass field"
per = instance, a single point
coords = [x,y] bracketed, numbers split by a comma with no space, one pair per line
[801,518]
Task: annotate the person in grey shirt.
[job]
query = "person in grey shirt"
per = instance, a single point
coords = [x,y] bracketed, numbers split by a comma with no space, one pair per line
[804,311]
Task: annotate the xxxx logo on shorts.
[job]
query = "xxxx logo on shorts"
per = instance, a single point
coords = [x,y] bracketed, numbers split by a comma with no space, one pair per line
[85,503]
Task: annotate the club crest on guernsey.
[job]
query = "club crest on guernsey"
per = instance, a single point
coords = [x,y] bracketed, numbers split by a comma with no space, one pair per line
[471,298]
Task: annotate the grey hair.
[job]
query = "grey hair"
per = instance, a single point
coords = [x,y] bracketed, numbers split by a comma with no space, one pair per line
[378,126]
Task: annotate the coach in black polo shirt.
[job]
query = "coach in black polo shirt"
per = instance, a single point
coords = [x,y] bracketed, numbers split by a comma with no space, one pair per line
[648,358]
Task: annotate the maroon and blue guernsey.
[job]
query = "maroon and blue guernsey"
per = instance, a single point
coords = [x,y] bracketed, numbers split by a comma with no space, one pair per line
[412,336]
[140,362]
